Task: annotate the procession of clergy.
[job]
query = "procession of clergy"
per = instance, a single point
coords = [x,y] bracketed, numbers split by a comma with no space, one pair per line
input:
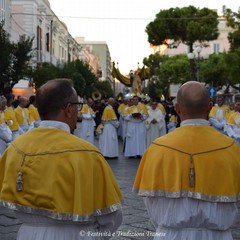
[134,122]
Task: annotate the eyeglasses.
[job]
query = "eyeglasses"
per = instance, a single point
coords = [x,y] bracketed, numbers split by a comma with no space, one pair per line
[79,105]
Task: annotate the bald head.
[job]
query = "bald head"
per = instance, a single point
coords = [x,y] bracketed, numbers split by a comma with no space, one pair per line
[23,102]
[111,101]
[193,101]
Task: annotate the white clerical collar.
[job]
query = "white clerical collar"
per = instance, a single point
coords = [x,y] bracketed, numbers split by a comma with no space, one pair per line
[195,122]
[54,124]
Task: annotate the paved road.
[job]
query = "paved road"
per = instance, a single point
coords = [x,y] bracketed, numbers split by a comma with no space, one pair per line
[136,224]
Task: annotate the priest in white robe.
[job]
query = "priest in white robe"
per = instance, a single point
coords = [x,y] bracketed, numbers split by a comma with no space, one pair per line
[155,123]
[232,128]
[5,132]
[88,123]
[108,140]
[135,143]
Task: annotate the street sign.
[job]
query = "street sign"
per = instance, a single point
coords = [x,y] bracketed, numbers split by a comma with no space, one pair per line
[212,91]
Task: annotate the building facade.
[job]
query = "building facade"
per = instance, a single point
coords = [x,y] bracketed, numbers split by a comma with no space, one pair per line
[52,41]
[100,50]
[221,44]
[104,69]
[5,14]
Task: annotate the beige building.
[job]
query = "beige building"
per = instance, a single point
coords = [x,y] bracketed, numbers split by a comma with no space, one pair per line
[5,13]
[221,44]
[52,41]
[100,50]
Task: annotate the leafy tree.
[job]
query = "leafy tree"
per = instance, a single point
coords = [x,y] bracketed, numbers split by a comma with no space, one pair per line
[5,56]
[175,69]
[14,58]
[232,60]
[153,62]
[155,89]
[44,72]
[233,21]
[23,53]
[79,83]
[104,87]
[83,77]
[186,25]
[213,71]
[221,69]
[84,80]
[166,70]
[183,25]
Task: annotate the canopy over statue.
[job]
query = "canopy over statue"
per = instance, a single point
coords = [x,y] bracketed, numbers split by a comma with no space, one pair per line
[134,80]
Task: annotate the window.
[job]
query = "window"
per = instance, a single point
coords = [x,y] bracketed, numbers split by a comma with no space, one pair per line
[47,42]
[216,48]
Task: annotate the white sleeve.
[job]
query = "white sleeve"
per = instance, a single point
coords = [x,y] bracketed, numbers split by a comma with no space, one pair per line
[5,133]
[228,130]
[115,123]
[216,123]
[86,116]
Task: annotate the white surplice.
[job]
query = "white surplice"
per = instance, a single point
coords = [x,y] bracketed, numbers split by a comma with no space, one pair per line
[88,127]
[155,130]
[135,140]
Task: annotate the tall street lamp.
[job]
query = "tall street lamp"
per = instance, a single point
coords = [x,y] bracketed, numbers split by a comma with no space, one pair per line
[195,67]
[198,51]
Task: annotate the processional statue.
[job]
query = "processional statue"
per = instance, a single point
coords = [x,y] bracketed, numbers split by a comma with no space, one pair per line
[136,82]
[134,79]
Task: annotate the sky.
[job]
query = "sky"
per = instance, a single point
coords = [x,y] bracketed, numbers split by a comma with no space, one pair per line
[122,23]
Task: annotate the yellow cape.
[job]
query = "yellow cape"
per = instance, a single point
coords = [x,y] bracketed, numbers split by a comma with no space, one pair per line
[108,114]
[137,109]
[33,113]
[214,109]
[19,116]
[165,167]
[234,119]
[64,177]
[85,109]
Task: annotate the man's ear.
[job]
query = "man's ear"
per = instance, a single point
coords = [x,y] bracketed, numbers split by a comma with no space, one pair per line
[68,110]
[177,109]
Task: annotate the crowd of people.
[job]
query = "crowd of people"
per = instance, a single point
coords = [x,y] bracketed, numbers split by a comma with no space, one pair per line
[138,123]
[133,120]
[226,118]
[17,117]
[61,185]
